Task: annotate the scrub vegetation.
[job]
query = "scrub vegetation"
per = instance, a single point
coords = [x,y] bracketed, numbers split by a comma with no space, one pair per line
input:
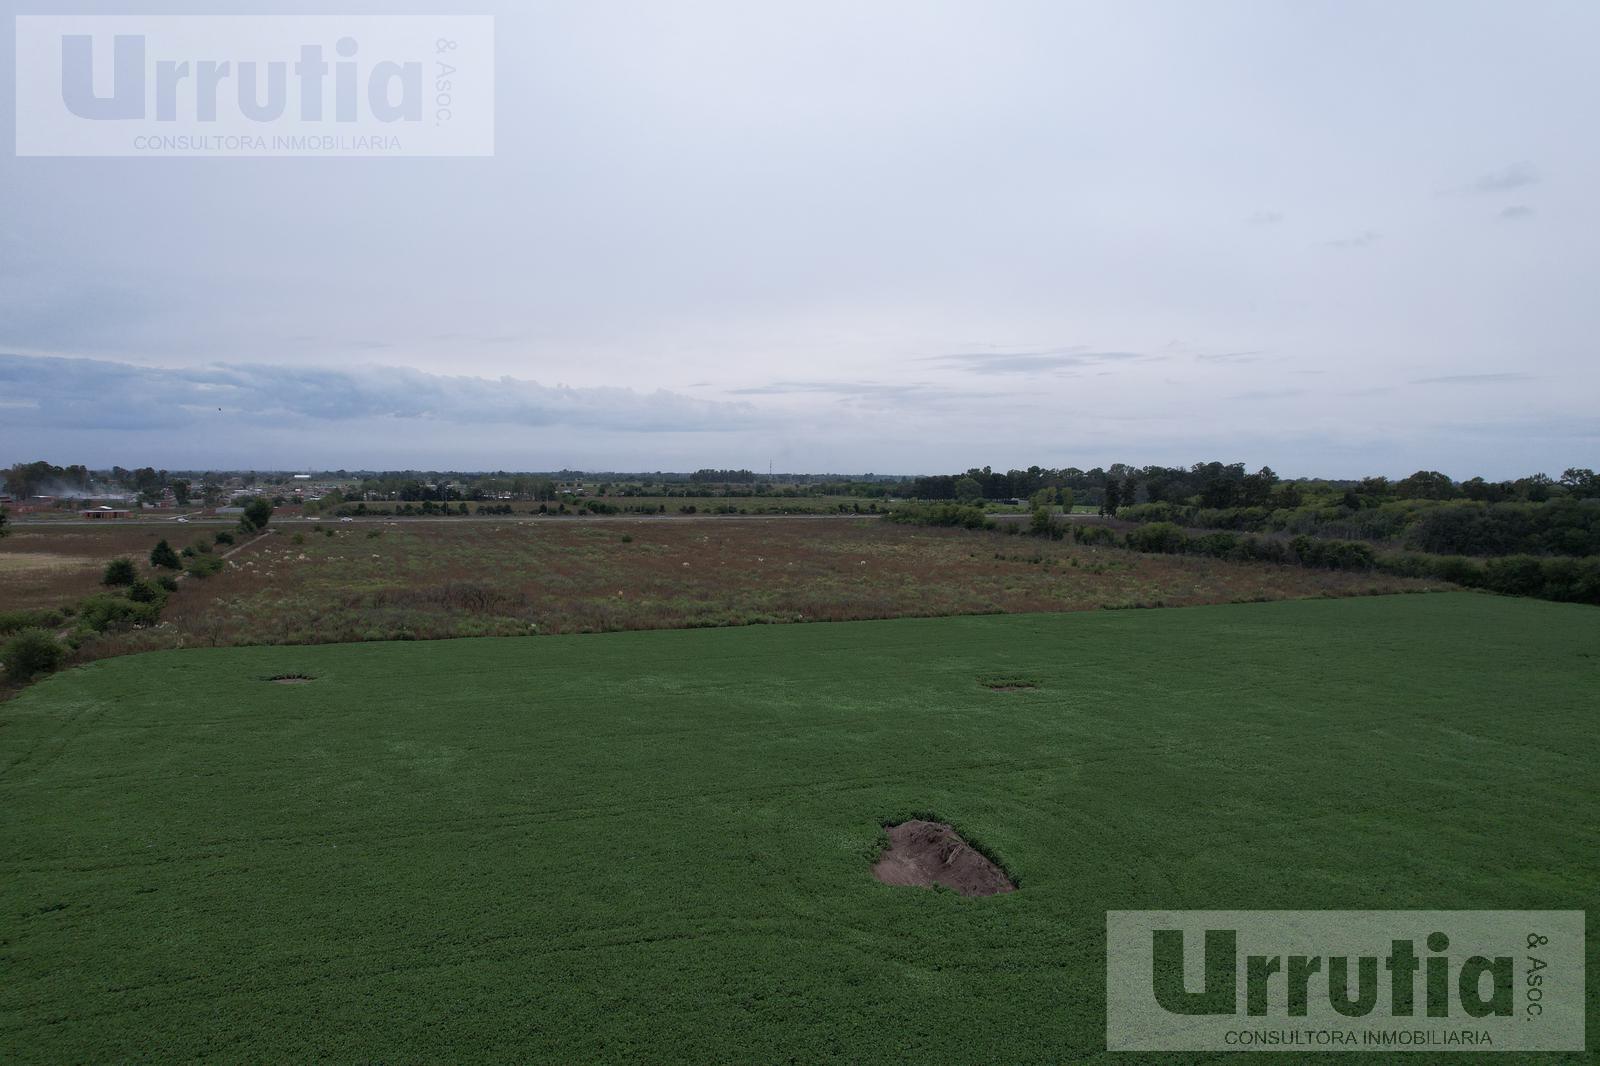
[414,581]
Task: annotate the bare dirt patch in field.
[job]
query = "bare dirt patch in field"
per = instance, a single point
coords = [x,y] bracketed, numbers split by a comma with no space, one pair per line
[925,854]
[1008,683]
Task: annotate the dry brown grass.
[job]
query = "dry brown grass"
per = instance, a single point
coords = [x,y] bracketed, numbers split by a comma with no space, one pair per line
[51,566]
[475,578]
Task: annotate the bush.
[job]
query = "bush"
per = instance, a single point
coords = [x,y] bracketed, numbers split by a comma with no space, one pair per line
[1093,536]
[147,592]
[30,653]
[162,555]
[941,514]
[120,572]
[224,537]
[1154,512]
[97,614]
[1158,537]
[168,582]
[1221,545]
[1332,554]
[204,566]
[42,618]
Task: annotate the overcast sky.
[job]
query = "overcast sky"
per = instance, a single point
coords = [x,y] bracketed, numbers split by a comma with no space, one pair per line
[1337,238]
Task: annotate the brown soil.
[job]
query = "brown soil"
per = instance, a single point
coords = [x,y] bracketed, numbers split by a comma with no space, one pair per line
[931,853]
[1009,684]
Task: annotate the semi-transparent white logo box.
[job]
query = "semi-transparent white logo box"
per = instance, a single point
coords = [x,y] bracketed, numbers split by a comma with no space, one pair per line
[219,86]
[1374,981]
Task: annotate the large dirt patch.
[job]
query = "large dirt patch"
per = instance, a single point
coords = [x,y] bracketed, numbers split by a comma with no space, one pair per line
[931,853]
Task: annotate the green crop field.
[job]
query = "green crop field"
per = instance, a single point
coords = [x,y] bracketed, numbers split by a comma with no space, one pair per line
[655,844]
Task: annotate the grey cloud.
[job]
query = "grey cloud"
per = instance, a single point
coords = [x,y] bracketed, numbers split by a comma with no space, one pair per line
[778,388]
[1515,176]
[1264,218]
[472,338]
[1472,379]
[1516,212]
[1232,357]
[1567,428]
[1267,394]
[1364,239]
[1074,358]
[91,393]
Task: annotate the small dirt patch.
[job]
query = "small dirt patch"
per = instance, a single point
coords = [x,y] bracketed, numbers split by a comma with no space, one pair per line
[1008,684]
[291,679]
[931,853]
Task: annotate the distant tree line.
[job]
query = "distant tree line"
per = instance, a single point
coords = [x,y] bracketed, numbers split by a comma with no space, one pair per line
[1565,525]
[1217,485]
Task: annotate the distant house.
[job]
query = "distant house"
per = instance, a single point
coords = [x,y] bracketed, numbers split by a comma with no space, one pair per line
[105,512]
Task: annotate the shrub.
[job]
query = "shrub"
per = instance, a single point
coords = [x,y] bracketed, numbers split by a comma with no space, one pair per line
[168,582]
[1093,536]
[30,653]
[147,592]
[1158,537]
[224,537]
[97,614]
[162,555]
[1154,512]
[120,572]
[1220,545]
[941,514]
[204,566]
[42,618]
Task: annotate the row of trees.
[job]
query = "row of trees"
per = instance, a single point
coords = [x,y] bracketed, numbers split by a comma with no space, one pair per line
[1219,485]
